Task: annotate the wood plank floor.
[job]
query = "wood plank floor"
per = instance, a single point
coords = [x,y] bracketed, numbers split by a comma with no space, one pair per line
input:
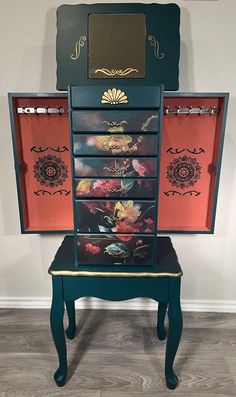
[116,354]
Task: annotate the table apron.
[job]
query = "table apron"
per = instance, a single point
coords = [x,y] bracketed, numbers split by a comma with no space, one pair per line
[116,288]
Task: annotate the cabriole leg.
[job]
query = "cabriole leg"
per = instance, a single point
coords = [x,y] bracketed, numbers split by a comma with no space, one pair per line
[174,333]
[161,331]
[71,330]
[57,328]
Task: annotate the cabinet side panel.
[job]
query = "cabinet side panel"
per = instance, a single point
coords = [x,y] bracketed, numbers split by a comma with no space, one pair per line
[189,155]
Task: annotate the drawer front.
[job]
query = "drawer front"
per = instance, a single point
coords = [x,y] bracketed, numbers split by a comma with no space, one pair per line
[116,288]
[124,97]
[115,121]
[120,249]
[116,188]
[115,167]
[112,216]
[115,144]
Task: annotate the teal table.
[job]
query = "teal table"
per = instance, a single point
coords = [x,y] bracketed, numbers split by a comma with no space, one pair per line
[161,283]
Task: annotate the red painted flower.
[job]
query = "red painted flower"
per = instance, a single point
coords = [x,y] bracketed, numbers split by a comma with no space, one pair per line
[125,237]
[126,227]
[150,225]
[139,168]
[106,187]
[92,249]
[149,221]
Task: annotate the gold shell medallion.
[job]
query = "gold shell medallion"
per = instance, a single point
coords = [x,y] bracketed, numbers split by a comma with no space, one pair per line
[114,96]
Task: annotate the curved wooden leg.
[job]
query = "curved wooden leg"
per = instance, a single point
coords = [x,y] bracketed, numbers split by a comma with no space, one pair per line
[174,333]
[57,328]
[71,330]
[161,331]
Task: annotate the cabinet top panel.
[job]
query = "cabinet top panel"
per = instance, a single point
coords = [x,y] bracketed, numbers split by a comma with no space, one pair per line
[130,42]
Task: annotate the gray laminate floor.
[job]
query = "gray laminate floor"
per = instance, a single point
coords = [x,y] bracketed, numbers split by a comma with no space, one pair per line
[116,354]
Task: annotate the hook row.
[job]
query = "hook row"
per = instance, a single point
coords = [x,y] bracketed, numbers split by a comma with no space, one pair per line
[177,110]
[44,110]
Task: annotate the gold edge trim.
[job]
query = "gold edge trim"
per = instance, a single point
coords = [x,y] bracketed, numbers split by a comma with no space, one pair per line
[111,274]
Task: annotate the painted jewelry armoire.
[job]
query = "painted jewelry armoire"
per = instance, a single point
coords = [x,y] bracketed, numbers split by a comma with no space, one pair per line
[191,153]
[117,161]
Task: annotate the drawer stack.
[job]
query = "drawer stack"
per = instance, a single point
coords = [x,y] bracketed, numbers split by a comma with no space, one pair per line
[115,137]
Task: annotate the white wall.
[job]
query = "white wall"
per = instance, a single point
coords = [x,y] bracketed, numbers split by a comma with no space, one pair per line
[208,63]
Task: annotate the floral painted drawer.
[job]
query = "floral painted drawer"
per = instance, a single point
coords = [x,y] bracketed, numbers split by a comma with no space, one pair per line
[116,173]
[126,216]
[119,249]
[116,187]
[115,121]
[115,167]
[115,144]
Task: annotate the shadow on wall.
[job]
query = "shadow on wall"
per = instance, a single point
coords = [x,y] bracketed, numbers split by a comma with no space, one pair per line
[9,221]
[48,74]
[21,276]
[186,77]
[226,202]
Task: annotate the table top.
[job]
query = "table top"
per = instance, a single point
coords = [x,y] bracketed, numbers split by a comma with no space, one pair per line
[167,263]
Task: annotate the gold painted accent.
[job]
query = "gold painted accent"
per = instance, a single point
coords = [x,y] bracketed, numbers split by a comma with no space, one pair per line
[117,189]
[114,123]
[156,45]
[115,126]
[84,273]
[117,143]
[118,72]
[118,169]
[114,96]
[147,122]
[79,43]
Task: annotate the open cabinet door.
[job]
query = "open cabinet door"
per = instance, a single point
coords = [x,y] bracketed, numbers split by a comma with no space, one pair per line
[42,161]
[192,144]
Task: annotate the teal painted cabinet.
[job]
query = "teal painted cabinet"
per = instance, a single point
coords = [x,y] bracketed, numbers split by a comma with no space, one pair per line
[115,215]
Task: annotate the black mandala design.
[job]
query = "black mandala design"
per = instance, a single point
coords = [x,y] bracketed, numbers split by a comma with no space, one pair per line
[50,171]
[183,172]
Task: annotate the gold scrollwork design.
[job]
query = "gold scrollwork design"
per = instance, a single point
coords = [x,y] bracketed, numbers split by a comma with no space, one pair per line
[118,169]
[148,121]
[114,123]
[78,45]
[118,72]
[156,47]
[115,126]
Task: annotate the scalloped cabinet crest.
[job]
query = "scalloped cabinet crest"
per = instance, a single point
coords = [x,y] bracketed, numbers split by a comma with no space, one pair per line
[114,96]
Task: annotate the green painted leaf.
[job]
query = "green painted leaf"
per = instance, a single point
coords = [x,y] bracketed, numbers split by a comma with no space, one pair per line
[103,229]
[131,174]
[119,250]
[108,221]
[143,251]
[127,185]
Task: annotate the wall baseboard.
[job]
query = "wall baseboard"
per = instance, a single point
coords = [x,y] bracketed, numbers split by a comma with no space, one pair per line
[135,304]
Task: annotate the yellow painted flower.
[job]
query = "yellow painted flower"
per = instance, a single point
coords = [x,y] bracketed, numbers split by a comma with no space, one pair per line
[116,130]
[127,210]
[114,143]
[83,186]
